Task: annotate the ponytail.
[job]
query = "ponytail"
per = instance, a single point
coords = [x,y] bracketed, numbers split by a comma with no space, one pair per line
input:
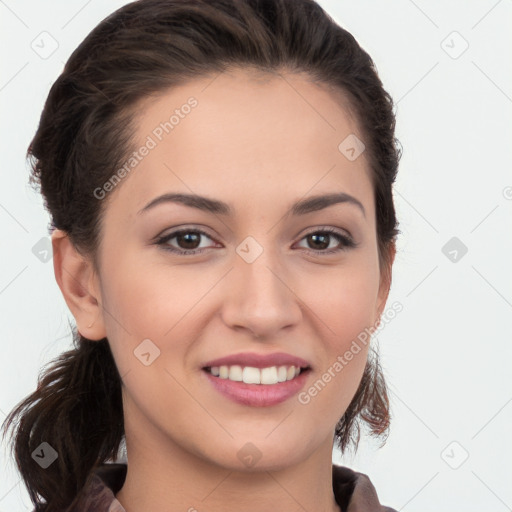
[77,410]
[370,405]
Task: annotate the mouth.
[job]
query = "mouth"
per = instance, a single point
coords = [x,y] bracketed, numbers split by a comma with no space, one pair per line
[266,376]
[257,380]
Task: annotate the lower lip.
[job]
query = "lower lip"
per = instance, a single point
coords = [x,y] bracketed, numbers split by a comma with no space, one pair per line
[258,395]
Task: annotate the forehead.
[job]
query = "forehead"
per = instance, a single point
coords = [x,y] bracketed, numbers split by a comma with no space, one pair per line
[244,132]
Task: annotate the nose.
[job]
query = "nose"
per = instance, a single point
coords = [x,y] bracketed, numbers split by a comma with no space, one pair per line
[259,297]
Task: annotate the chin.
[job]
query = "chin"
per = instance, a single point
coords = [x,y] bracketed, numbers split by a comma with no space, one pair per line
[260,453]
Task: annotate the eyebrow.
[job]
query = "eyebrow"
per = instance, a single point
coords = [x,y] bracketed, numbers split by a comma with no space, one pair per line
[302,207]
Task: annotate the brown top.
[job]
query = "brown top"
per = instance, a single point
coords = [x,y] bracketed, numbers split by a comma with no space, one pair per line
[353,491]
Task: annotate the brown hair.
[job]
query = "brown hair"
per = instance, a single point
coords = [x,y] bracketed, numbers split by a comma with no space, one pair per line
[85,133]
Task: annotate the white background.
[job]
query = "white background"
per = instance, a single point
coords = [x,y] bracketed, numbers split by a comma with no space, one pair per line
[447,356]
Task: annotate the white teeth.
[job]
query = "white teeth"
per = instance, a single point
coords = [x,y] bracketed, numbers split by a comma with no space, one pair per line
[281,374]
[251,375]
[235,373]
[269,375]
[224,372]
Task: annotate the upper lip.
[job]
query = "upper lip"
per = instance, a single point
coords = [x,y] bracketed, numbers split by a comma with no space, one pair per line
[258,360]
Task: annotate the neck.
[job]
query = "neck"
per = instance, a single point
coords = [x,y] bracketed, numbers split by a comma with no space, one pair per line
[174,479]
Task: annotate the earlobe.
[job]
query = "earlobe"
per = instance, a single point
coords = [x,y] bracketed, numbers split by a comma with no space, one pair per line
[75,276]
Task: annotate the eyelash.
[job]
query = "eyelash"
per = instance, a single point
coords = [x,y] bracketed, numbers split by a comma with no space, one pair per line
[346,241]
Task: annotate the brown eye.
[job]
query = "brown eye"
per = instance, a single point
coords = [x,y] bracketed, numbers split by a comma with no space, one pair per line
[322,241]
[319,241]
[186,241]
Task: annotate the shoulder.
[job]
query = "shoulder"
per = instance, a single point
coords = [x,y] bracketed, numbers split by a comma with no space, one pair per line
[354,491]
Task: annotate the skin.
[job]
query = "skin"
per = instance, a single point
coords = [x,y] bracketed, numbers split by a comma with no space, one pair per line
[259,143]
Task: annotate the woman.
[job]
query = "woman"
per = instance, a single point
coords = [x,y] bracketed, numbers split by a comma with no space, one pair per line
[219,177]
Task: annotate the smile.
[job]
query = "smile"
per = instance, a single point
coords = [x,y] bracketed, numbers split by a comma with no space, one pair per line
[251,375]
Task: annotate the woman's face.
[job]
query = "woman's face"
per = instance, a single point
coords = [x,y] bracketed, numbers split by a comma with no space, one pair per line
[262,278]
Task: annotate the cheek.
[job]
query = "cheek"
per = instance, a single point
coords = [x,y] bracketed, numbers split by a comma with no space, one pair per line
[345,301]
[145,313]
[161,303]
[132,301]
[148,299]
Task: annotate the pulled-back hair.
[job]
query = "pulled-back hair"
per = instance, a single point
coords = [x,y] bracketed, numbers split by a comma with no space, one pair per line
[86,132]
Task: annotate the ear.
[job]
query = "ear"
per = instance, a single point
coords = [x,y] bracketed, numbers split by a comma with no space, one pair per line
[78,283]
[385,279]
